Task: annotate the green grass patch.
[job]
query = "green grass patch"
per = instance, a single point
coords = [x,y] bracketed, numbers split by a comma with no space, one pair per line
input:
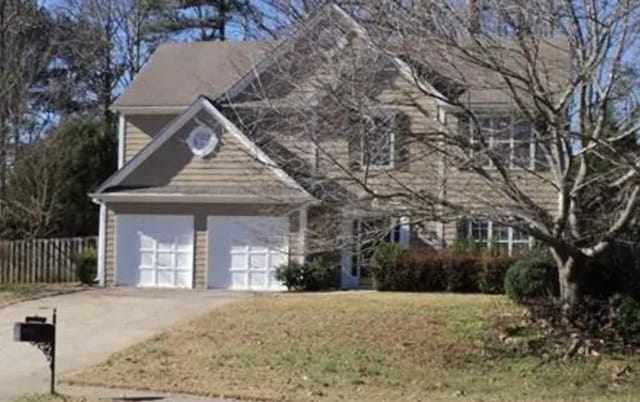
[355,347]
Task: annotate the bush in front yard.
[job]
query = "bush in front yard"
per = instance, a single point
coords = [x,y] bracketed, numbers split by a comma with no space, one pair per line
[617,271]
[625,314]
[463,271]
[530,278]
[492,273]
[395,268]
[87,266]
[418,272]
[315,274]
[290,274]
[432,271]
[385,264]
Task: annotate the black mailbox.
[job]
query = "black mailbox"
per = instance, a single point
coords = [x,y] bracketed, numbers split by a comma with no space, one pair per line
[35,332]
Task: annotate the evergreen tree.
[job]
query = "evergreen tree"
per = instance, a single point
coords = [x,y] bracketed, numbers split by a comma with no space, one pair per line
[207,20]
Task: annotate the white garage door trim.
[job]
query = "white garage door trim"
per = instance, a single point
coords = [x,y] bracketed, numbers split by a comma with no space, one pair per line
[243,251]
[157,250]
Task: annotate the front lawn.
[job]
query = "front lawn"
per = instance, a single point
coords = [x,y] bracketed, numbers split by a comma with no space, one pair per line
[14,293]
[355,347]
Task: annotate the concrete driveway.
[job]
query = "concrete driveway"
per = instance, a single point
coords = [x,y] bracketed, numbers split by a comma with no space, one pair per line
[92,325]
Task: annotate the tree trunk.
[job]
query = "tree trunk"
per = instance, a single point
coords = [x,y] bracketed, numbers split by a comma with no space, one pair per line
[570,290]
[570,278]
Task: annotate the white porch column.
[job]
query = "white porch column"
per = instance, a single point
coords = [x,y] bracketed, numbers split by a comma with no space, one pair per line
[302,232]
[347,281]
[102,243]
[121,132]
[405,231]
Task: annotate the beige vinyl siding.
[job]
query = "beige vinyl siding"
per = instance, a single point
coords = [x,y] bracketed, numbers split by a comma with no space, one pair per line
[200,212]
[140,129]
[471,190]
[174,164]
[420,170]
[426,171]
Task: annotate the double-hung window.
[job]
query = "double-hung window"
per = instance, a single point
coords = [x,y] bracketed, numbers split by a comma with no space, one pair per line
[378,140]
[507,139]
[496,237]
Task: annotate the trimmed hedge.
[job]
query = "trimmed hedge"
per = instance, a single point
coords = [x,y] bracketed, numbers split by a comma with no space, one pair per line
[397,269]
[492,273]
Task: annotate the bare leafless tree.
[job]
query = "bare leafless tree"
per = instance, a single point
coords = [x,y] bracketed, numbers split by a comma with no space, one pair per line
[522,113]
[36,190]
[24,53]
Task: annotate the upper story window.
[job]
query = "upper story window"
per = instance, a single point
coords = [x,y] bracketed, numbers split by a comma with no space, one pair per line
[378,140]
[507,139]
[491,235]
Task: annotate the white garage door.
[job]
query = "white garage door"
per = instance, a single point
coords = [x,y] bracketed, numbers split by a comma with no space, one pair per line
[245,251]
[154,250]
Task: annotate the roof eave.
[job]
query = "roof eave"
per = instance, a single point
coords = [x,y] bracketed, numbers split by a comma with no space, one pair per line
[147,109]
[201,198]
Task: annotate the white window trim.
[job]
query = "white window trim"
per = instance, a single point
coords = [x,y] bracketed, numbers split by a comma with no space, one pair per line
[490,238]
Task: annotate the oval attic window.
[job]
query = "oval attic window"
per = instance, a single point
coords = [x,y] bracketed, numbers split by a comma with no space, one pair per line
[202,141]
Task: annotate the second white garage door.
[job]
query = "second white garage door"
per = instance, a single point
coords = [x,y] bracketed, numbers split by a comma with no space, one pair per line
[244,251]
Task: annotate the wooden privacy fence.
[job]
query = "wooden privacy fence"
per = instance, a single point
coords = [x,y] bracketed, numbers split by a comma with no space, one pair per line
[41,260]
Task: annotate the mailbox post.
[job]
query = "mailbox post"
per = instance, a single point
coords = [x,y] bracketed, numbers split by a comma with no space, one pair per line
[37,332]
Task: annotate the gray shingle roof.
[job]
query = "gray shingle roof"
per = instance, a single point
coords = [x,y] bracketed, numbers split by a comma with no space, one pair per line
[177,73]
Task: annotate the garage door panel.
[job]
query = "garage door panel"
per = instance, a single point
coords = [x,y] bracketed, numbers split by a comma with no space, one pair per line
[165,278]
[147,277]
[258,280]
[183,261]
[146,259]
[146,242]
[154,250]
[259,261]
[278,259]
[238,261]
[244,251]
[165,259]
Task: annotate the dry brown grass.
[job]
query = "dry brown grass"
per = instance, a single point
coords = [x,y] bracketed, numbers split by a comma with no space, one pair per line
[353,347]
[54,398]
[15,293]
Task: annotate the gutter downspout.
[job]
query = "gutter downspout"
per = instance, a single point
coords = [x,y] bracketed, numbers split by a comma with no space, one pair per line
[442,171]
[302,232]
[121,129]
[102,243]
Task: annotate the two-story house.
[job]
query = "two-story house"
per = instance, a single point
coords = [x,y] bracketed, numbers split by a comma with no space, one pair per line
[203,198]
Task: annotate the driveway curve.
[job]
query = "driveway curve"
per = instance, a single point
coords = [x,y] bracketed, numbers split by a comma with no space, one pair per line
[92,325]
